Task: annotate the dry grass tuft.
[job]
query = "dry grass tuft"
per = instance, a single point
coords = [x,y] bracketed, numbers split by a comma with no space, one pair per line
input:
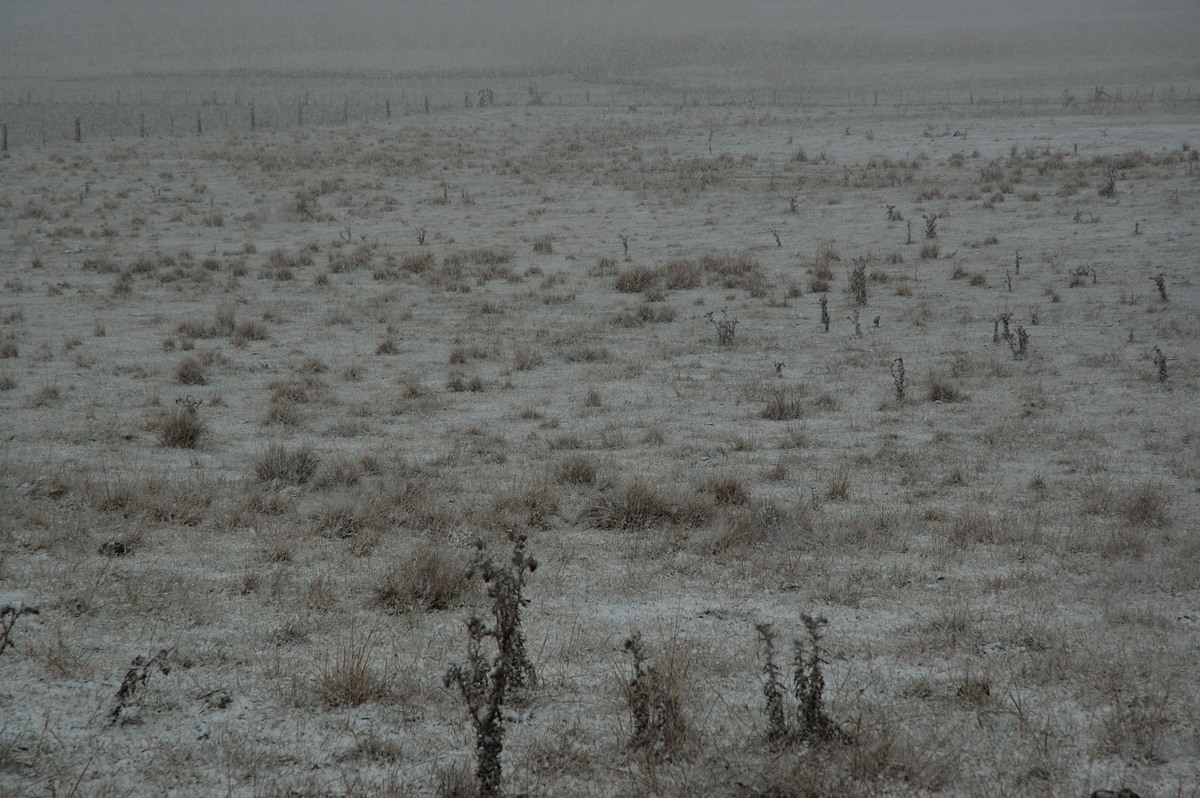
[838,488]
[431,579]
[636,279]
[532,506]
[783,405]
[284,412]
[682,274]
[740,527]
[350,677]
[576,469]
[634,505]
[1145,505]
[289,466]
[181,428]
[190,371]
[727,490]
[941,389]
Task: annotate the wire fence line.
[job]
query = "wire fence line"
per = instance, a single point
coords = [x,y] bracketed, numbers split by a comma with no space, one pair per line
[29,117]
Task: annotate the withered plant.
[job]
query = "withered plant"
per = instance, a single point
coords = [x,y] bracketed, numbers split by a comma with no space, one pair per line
[858,281]
[899,380]
[726,326]
[1019,343]
[1160,281]
[655,702]
[1160,363]
[136,678]
[810,723]
[486,682]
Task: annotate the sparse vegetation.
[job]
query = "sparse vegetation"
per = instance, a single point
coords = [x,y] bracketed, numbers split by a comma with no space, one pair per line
[200,436]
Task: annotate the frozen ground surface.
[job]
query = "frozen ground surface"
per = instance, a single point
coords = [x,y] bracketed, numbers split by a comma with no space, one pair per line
[479,322]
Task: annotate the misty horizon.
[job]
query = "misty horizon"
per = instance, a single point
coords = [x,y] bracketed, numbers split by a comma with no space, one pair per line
[780,43]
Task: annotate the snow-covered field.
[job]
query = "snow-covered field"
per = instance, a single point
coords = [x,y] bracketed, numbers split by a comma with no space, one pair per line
[479,322]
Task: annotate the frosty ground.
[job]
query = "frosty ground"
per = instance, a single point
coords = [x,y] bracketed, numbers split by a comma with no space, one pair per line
[394,339]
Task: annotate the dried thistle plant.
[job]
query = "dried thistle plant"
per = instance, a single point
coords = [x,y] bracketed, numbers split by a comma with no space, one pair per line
[773,692]
[1002,320]
[1160,282]
[726,326]
[653,694]
[899,379]
[811,724]
[483,683]
[1160,363]
[1019,343]
[487,682]
[858,281]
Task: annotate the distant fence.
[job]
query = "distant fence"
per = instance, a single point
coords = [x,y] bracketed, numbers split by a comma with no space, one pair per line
[31,118]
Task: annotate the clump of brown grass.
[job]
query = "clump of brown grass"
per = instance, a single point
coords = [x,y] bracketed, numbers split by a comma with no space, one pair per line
[734,271]
[339,472]
[357,517]
[636,279]
[284,412]
[739,527]
[431,579]
[634,505]
[576,469]
[941,389]
[533,505]
[838,488]
[783,405]
[190,371]
[350,677]
[527,359]
[1145,504]
[290,466]
[181,428]
[726,489]
[681,274]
